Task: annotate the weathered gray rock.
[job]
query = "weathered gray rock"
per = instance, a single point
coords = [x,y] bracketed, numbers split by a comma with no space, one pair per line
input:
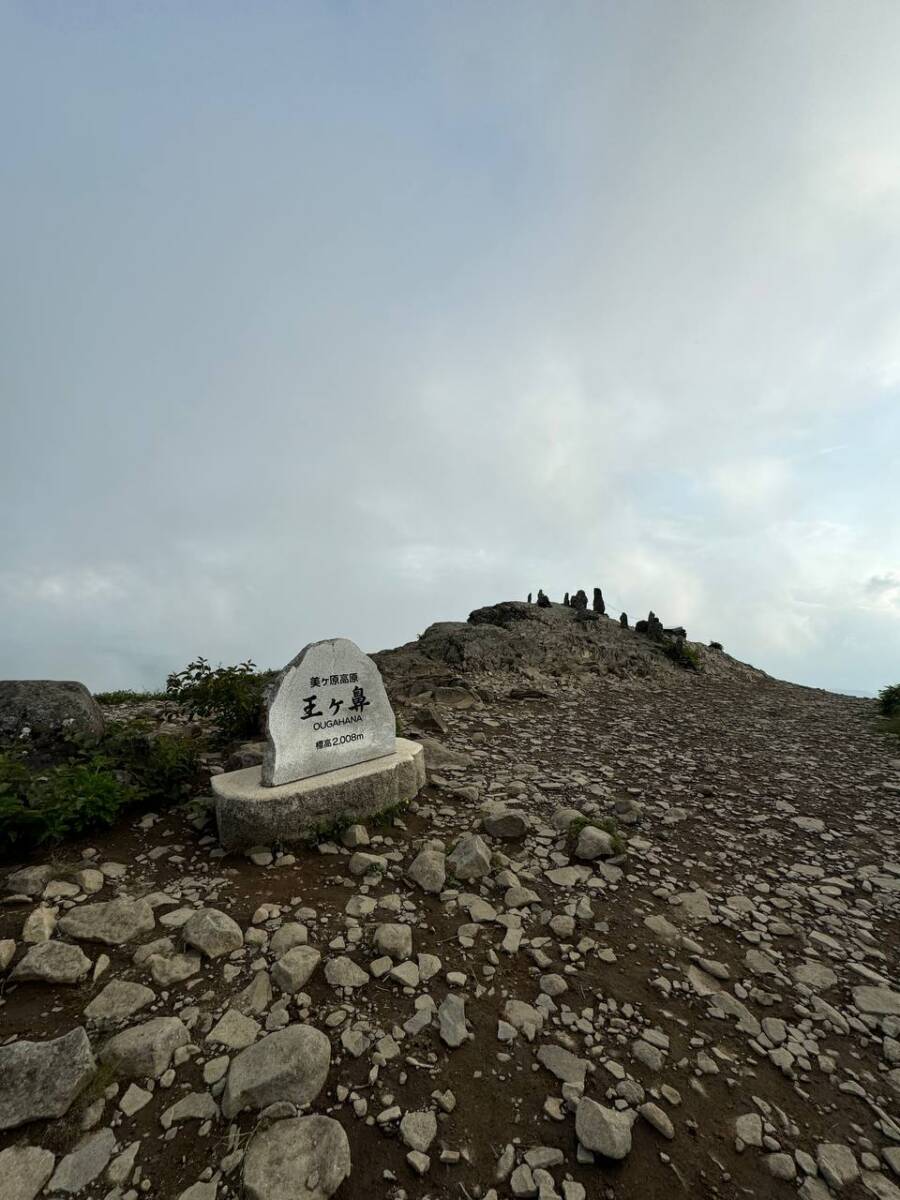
[29,881]
[343,972]
[48,709]
[429,871]
[563,1063]
[41,1079]
[256,996]
[837,1164]
[170,969]
[470,858]
[291,1064]
[23,1171]
[507,824]
[53,962]
[604,1130]
[418,1130]
[879,1001]
[593,843]
[452,1020]
[109,921]
[85,1163]
[39,925]
[395,940]
[118,1000]
[291,934]
[234,1030]
[302,1158]
[212,932]
[144,1050]
[293,969]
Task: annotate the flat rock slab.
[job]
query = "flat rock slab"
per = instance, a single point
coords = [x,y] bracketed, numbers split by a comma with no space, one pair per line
[250,814]
[111,922]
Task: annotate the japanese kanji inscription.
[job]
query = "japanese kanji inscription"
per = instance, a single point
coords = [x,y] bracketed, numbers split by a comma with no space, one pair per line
[328,709]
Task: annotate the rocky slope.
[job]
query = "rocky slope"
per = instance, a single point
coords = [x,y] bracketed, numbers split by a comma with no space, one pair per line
[499,993]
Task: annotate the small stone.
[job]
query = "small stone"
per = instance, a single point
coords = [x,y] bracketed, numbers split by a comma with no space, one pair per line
[429,871]
[294,969]
[603,1130]
[145,1050]
[213,933]
[234,1030]
[418,1130]
[452,1020]
[655,1116]
[837,1164]
[343,972]
[470,858]
[118,1000]
[394,940]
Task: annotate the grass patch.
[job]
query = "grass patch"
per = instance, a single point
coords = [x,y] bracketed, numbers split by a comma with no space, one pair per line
[606,824]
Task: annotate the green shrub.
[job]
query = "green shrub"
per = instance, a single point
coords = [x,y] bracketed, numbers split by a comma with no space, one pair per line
[231,696]
[889,700]
[127,696]
[164,769]
[41,804]
[682,655]
[49,805]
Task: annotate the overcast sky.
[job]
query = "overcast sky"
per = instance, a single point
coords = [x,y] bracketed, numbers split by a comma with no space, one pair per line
[339,319]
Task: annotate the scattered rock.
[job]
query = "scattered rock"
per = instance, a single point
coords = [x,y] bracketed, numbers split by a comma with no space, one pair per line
[291,1064]
[302,1158]
[41,1079]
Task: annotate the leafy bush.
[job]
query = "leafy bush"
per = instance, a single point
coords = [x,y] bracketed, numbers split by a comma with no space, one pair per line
[127,696]
[43,806]
[231,696]
[889,700]
[164,769]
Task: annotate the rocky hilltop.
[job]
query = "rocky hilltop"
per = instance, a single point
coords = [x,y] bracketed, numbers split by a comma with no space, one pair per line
[637,938]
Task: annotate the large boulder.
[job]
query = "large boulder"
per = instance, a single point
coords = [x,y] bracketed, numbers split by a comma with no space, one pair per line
[47,710]
[302,1158]
[41,1079]
[291,1064]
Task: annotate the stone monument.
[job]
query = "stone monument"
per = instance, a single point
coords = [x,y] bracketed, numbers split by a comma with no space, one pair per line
[331,753]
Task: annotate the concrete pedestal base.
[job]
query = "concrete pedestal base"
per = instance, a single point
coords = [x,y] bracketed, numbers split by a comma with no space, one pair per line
[249,814]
